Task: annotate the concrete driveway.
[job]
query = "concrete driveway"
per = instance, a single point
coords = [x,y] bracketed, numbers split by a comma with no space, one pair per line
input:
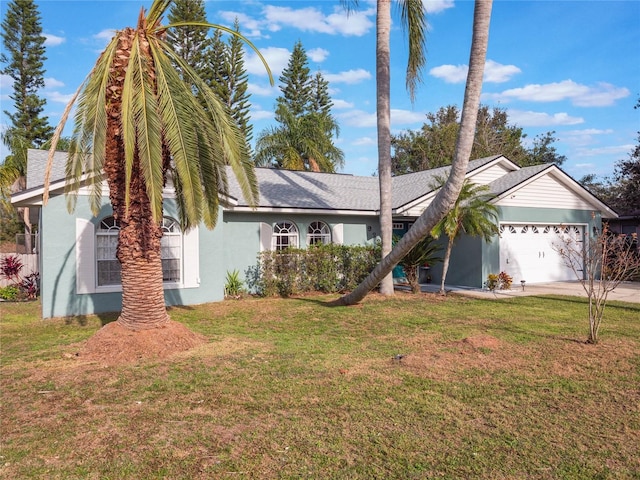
[626,291]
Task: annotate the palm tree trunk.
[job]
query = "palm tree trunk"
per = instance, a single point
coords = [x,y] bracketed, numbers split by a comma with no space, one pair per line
[447,195]
[445,264]
[139,239]
[383,93]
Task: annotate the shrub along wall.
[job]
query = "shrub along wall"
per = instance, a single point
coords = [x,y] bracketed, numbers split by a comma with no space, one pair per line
[323,268]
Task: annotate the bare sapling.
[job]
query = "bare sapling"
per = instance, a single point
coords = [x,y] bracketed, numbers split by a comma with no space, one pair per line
[608,260]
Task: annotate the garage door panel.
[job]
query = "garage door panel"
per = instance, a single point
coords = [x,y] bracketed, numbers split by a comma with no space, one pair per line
[527,252]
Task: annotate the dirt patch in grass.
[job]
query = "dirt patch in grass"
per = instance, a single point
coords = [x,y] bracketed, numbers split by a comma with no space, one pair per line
[114,344]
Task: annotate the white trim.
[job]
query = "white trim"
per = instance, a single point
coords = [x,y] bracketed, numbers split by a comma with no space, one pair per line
[266,232]
[306,211]
[85,257]
[338,233]
[191,258]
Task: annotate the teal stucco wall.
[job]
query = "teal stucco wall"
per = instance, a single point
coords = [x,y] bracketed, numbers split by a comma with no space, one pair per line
[473,259]
[242,235]
[58,264]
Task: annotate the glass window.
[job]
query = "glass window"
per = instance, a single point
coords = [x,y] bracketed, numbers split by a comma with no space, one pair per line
[285,235]
[318,233]
[108,267]
[171,250]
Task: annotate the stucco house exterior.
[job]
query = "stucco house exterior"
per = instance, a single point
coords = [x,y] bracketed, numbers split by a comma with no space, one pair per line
[79,273]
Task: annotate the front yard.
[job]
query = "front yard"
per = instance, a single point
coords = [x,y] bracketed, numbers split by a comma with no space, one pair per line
[414,387]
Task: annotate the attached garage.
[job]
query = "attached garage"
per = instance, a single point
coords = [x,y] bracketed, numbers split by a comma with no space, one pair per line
[527,251]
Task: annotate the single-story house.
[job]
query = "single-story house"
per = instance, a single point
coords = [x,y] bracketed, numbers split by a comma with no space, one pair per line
[80,275]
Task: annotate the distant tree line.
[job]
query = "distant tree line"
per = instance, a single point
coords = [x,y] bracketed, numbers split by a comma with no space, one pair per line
[433,145]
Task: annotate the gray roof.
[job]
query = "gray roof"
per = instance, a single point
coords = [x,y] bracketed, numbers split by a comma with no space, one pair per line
[37,163]
[296,189]
[409,187]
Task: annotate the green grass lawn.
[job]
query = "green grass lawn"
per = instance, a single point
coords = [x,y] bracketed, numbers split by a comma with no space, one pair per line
[290,388]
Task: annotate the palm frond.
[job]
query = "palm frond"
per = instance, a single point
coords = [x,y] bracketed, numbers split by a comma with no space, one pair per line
[180,132]
[414,21]
[148,128]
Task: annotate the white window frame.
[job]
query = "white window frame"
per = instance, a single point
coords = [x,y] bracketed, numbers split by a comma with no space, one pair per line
[282,230]
[86,259]
[318,233]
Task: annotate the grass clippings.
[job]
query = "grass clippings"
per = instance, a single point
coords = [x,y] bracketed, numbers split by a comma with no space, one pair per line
[411,387]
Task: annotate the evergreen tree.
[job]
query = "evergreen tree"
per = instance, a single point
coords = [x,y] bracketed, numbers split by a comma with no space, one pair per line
[295,83]
[304,138]
[236,84]
[320,98]
[434,144]
[24,62]
[215,58]
[189,42]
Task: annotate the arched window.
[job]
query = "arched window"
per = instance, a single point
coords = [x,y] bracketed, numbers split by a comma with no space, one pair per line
[171,250]
[285,235]
[318,233]
[108,267]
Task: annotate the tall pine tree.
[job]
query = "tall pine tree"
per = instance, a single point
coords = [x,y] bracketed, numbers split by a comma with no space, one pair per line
[24,62]
[303,140]
[190,41]
[295,83]
[237,83]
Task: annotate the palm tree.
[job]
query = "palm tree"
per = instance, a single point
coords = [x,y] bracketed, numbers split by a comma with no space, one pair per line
[471,214]
[299,143]
[414,20]
[140,125]
[425,252]
[447,195]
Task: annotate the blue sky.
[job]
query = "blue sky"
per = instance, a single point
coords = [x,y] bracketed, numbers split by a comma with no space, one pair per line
[568,66]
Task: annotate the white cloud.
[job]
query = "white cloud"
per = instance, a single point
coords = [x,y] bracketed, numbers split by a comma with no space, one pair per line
[276,57]
[310,19]
[53,40]
[339,104]
[262,90]
[611,150]
[350,76]
[437,6]
[105,35]
[405,117]
[494,72]
[58,97]
[51,82]
[6,84]
[318,54]
[362,141]
[362,119]
[583,137]
[259,114]
[358,118]
[450,73]
[249,27]
[542,119]
[600,95]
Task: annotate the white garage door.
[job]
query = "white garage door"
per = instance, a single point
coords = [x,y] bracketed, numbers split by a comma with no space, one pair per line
[527,253]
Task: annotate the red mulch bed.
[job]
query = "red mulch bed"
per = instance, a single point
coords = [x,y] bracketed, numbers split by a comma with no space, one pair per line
[114,344]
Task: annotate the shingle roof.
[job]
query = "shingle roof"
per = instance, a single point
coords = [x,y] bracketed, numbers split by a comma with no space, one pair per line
[37,163]
[409,187]
[296,189]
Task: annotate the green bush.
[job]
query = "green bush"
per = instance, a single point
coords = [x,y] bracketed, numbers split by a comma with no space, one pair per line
[323,268]
[233,285]
[10,292]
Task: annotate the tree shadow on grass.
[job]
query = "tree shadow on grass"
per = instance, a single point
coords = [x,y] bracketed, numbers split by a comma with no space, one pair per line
[84,320]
